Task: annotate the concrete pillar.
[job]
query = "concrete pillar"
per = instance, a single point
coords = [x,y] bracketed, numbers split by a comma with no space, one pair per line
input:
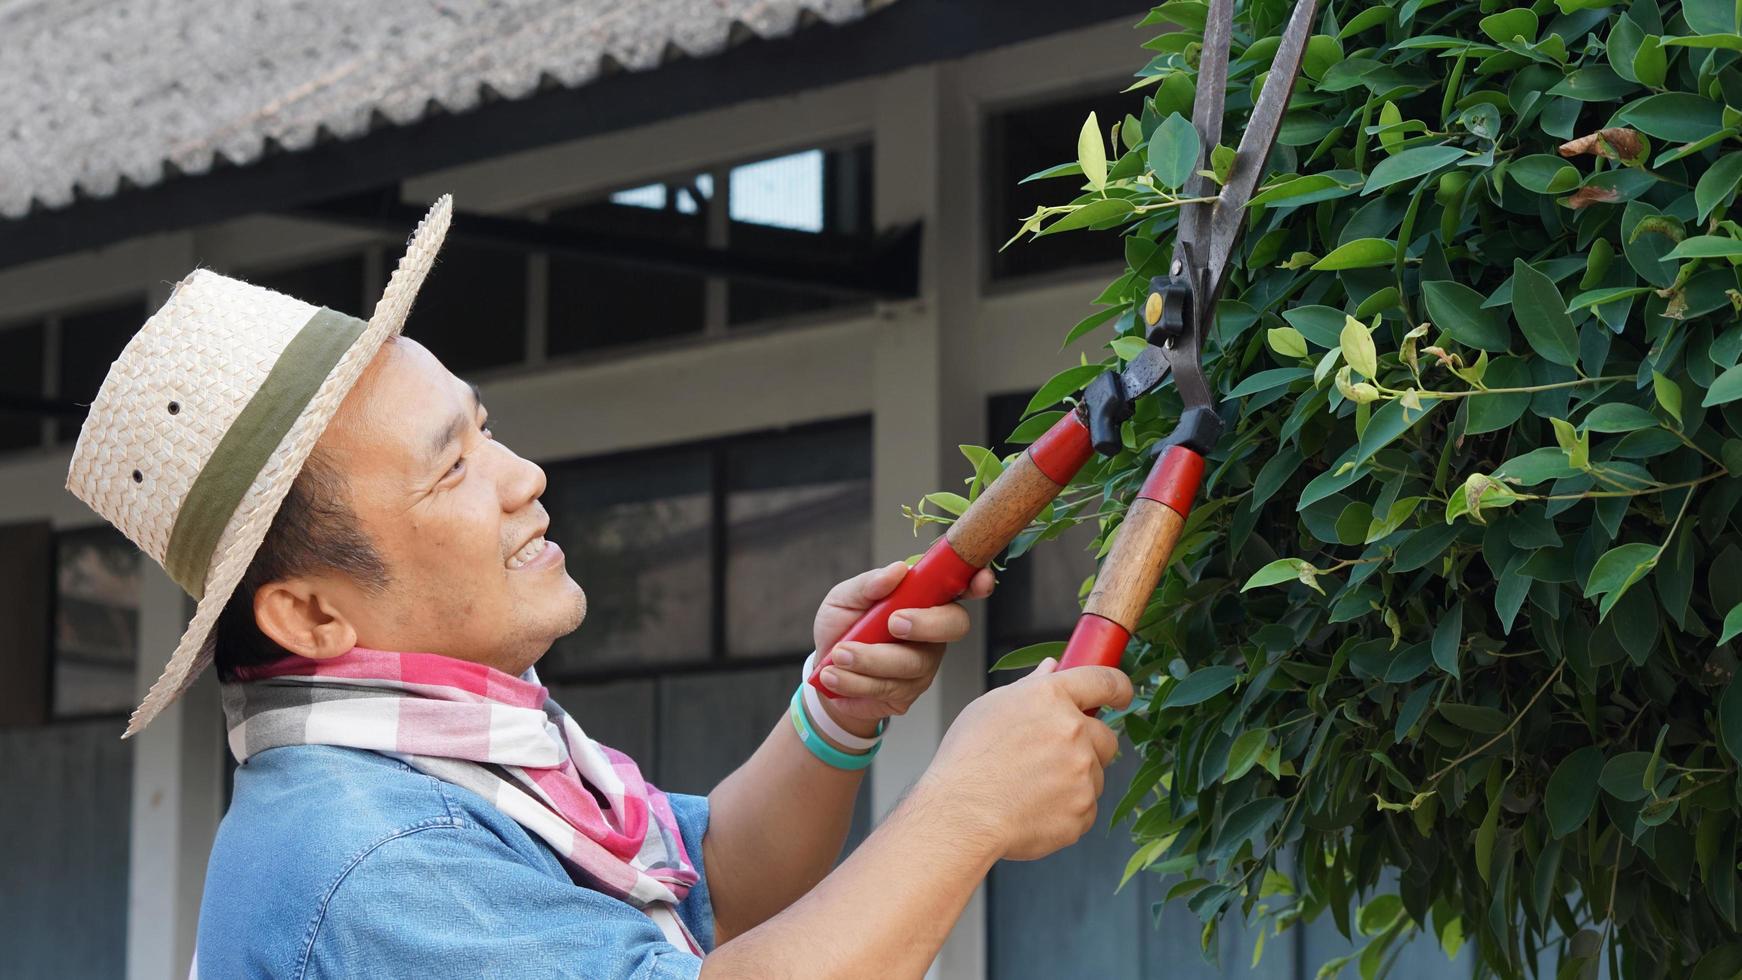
[925,402]
[178,768]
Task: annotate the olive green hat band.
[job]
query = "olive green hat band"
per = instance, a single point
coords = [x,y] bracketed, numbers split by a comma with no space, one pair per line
[244,450]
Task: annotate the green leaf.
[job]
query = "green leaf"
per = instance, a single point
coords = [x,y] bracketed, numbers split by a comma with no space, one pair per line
[1707,247]
[1308,189]
[1718,183]
[1730,717]
[1357,346]
[1092,213]
[1410,164]
[1321,325]
[1732,624]
[1392,420]
[1710,16]
[1362,253]
[1485,839]
[1674,116]
[1030,655]
[1457,309]
[1245,752]
[1448,638]
[1092,153]
[1519,22]
[1669,395]
[1266,380]
[1727,387]
[1128,347]
[1066,382]
[1277,572]
[1572,790]
[1249,821]
[1619,568]
[1617,417]
[1475,718]
[1623,776]
[1174,149]
[954,503]
[1286,341]
[1650,63]
[1547,463]
[1491,412]
[1721,963]
[1729,42]
[1200,686]
[1541,314]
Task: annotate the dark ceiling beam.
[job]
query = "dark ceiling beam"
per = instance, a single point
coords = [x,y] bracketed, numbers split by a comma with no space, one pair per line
[904,34]
[887,268]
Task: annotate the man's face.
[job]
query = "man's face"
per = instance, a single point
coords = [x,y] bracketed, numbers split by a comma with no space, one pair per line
[455,517]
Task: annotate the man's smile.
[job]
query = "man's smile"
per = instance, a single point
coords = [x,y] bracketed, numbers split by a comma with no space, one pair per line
[535,554]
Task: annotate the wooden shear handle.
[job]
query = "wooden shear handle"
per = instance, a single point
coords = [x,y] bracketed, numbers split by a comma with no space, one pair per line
[1141,550]
[995,517]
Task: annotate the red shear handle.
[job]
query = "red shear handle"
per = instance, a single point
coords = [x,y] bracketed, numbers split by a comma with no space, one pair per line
[995,517]
[1141,550]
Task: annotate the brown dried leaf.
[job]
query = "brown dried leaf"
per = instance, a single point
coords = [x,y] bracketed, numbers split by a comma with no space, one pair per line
[1615,142]
[1587,196]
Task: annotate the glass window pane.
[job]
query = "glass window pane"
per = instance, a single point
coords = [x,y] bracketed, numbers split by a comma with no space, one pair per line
[96,622]
[21,375]
[471,311]
[336,284]
[798,512]
[1030,139]
[636,534]
[811,204]
[89,344]
[786,192]
[596,304]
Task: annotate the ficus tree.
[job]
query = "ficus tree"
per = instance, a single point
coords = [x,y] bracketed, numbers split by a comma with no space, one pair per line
[1449,642]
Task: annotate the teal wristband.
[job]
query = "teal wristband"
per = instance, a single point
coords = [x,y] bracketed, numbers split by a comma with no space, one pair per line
[819,747]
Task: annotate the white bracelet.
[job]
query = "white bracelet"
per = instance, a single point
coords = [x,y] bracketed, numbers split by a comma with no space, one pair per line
[825,722]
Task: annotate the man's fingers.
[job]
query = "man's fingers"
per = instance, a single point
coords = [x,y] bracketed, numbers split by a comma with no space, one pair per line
[939,624]
[1105,741]
[890,660]
[1043,668]
[980,586]
[852,684]
[1096,687]
[864,589]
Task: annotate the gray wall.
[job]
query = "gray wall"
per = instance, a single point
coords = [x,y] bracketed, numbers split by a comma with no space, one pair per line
[63,850]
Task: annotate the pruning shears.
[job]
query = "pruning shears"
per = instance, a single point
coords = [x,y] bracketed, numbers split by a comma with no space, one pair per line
[1177,312]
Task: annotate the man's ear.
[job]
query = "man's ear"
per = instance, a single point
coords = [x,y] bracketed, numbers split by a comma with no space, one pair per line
[298,615]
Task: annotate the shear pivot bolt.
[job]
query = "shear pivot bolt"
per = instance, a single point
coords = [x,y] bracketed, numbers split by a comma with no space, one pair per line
[1152,309]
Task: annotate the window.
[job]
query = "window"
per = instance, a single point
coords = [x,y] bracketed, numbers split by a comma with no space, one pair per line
[21,376]
[96,622]
[698,554]
[471,311]
[816,202]
[1027,140]
[89,343]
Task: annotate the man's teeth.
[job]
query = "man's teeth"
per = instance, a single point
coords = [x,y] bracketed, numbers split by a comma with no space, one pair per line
[527,553]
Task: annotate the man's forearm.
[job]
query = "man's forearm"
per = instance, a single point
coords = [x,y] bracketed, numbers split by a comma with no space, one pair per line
[775,827]
[884,913]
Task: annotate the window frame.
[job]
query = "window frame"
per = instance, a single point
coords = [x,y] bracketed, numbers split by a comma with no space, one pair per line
[52,715]
[716,659]
[992,162]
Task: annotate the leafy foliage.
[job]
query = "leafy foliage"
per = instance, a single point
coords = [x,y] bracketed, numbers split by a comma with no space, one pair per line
[1448,644]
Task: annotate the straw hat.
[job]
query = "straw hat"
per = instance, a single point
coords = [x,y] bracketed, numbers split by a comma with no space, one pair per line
[208,415]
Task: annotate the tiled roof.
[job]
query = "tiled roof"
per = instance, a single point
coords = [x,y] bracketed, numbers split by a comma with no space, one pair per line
[100,95]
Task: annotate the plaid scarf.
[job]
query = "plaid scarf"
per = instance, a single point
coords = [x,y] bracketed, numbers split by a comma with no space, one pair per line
[501,737]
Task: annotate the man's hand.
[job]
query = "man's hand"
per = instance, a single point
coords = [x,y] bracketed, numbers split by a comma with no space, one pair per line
[877,680]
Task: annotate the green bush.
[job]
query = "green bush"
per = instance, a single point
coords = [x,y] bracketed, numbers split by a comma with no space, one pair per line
[1448,643]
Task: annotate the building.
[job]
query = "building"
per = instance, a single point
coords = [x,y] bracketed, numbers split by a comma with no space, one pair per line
[729,271]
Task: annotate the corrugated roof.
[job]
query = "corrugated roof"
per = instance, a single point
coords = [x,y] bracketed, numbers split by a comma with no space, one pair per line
[99,95]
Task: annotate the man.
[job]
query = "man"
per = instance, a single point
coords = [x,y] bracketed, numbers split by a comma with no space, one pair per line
[375,588]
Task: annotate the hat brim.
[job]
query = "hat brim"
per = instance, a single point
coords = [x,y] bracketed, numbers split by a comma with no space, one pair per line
[246,530]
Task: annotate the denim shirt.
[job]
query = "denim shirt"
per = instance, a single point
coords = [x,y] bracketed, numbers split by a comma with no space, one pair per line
[340,862]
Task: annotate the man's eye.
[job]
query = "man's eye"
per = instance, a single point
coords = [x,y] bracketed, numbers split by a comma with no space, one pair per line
[457,464]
